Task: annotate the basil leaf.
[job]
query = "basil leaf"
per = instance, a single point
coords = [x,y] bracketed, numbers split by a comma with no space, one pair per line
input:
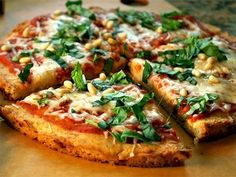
[78,78]
[24,74]
[43,101]
[103,125]
[146,98]
[213,50]
[119,78]
[120,97]
[147,71]
[75,7]
[131,134]
[132,17]
[97,52]
[108,65]
[187,76]
[28,53]
[145,54]
[54,56]
[101,85]
[169,23]
[118,137]
[121,114]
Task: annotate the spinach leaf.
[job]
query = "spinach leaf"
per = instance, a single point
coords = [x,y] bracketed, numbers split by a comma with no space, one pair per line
[147,71]
[108,65]
[24,74]
[145,54]
[56,56]
[213,50]
[119,78]
[79,78]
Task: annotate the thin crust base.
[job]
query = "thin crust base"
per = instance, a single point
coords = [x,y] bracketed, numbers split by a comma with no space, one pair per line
[95,147]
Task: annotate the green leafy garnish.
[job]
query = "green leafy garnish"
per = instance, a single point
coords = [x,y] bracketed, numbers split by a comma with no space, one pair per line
[24,74]
[199,104]
[119,78]
[78,78]
[122,137]
[169,23]
[108,65]
[56,56]
[213,50]
[145,54]
[91,122]
[75,7]
[121,99]
[132,17]
[97,53]
[147,71]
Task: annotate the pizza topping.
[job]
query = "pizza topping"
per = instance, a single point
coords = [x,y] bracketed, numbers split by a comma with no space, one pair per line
[169,23]
[198,105]
[24,74]
[78,77]
[75,7]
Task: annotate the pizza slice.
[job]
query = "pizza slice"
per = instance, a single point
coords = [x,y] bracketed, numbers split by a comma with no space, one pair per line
[195,80]
[106,119]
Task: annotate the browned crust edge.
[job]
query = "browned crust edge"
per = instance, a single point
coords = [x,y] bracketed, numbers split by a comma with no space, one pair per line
[94,147]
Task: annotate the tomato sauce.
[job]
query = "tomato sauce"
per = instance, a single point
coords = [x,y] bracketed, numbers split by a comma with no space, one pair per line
[67,123]
[9,64]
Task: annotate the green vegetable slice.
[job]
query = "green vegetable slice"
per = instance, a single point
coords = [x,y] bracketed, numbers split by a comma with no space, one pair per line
[79,78]
[24,74]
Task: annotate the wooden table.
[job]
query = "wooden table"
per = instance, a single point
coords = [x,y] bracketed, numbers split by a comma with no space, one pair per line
[22,157]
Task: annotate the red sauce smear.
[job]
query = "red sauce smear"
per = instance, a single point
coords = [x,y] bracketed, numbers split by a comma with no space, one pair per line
[9,64]
[67,123]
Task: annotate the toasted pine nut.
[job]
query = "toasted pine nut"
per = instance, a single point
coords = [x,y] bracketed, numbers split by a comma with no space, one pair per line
[213,80]
[57,12]
[88,46]
[111,41]
[109,90]
[26,32]
[24,60]
[43,46]
[106,35]
[196,73]
[50,48]
[5,47]
[159,30]
[202,56]
[225,70]
[122,36]
[97,43]
[211,60]
[179,69]
[208,66]
[102,76]
[68,84]
[109,25]
[104,22]
[92,90]
[183,92]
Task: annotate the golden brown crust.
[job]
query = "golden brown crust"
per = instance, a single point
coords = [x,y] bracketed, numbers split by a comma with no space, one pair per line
[215,125]
[93,146]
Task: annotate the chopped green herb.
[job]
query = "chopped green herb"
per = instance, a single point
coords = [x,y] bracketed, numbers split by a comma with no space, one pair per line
[122,137]
[147,71]
[119,78]
[145,54]
[91,122]
[78,78]
[55,55]
[75,7]
[24,74]
[213,50]
[108,65]
[169,23]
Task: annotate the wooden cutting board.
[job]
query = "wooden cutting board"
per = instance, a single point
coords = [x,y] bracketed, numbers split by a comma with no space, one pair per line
[23,157]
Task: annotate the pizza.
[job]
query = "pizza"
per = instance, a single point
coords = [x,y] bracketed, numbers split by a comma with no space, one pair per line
[77,80]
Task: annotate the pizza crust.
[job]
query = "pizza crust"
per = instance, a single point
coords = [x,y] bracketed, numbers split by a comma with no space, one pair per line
[93,146]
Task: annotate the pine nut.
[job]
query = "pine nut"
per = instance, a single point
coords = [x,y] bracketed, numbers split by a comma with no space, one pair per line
[183,92]
[92,90]
[109,25]
[111,41]
[104,22]
[159,30]
[50,48]
[88,46]
[106,35]
[202,56]
[213,80]
[225,70]
[68,84]
[196,73]
[41,34]
[102,76]
[122,36]
[43,46]
[211,60]
[24,60]
[97,43]
[179,69]
[109,90]
[57,12]
[25,32]
[5,48]
[208,66]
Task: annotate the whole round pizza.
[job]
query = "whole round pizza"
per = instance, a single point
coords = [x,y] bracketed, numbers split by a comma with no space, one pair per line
[92,83]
